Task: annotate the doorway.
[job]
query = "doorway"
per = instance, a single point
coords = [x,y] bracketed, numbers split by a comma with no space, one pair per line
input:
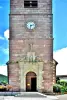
[31,82]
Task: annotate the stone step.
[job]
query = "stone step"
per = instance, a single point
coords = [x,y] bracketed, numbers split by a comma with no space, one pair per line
[29,96]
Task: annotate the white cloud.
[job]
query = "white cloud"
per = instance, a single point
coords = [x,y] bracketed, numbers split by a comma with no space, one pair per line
[3,70]
[61,57]
[6,34]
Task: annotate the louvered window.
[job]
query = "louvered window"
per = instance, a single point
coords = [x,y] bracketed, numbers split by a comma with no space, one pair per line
[30,4]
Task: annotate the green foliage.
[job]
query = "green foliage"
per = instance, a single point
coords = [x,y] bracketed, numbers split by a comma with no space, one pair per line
[57,79]
[62,89]
[65,89]
[3,78]
[4,82]
[57,88]
[60,86]
[63,83]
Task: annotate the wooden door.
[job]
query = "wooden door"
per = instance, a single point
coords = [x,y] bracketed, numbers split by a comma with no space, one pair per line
[30,77]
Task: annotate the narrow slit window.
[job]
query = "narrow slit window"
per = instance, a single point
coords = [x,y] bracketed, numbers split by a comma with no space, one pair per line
[30,4]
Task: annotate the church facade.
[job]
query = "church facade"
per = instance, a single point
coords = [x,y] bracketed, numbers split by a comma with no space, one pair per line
[31,66]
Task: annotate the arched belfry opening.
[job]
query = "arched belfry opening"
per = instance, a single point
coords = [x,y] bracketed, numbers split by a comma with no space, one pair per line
[31,81]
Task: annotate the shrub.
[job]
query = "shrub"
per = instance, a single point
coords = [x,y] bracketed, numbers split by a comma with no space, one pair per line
[65,89]
[62,89]
[9,87]
[57,79]
[58,82]
[61,86]
[63,83]
[4,82]
[57,88]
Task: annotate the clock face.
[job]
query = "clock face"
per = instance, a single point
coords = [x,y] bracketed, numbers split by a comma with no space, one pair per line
[31,25]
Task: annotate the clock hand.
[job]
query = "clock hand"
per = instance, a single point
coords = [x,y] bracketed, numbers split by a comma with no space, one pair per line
[30,26]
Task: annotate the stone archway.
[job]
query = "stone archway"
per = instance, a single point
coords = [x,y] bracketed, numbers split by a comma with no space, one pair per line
[31,81]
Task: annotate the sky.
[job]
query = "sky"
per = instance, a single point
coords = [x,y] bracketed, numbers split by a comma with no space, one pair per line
[59,33]
[60,24]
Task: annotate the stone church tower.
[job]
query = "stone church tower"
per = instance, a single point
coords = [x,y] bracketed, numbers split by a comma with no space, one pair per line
[30,66]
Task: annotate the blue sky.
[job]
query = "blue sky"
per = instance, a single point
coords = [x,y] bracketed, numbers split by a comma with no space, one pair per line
[4,25]
[59,29]
[60,35]
[60,24]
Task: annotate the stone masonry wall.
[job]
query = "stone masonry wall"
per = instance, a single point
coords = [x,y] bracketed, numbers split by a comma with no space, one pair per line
[17,7]
[42,48]
[39,40]
[13,75]
[43,26]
